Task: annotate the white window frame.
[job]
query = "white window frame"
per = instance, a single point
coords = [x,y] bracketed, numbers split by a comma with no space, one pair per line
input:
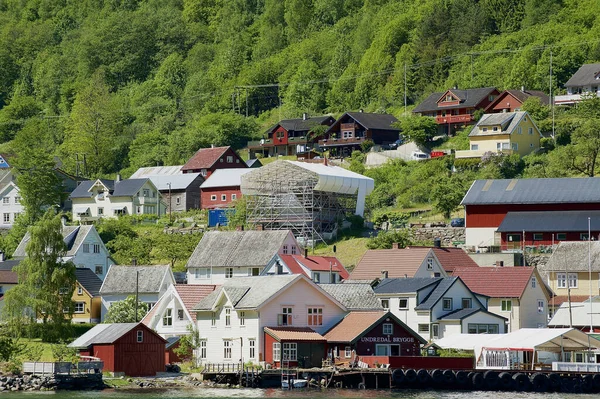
[573,280]
[382,350]
[316,277]
[79,290]
[314,316]
[229,158]
[538,236]
[213,197]
[223,197]
[541,306]
[242,317]
[402,306]
[227,317]
[347,352]
[6,218]
[276,351]
[561,280]
[5,200]
[96,248]
[140,336]
[447,303]
[533,282]
[227,349]
[251,271]
[388,329]
[180,314]
[233,197]
[429,263]
[252,348]
[229,272]
[177,200]
[213,319]
[285,249]
[79,308]
[289,351]
[167,320]
[202,273]
[506,305]
[286,316]
[423,328]
[203,347]
[474,147]
[385,303]
[435,331]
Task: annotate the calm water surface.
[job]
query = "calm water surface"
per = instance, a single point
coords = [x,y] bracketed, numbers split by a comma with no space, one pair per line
[278,393]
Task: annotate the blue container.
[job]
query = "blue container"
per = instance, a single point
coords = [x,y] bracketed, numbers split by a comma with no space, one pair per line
[217,216]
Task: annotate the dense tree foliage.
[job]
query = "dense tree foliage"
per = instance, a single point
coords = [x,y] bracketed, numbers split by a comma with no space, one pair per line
[125,311]
[136,83]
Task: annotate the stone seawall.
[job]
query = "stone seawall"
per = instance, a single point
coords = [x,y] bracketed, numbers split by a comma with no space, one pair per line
[51,383]
[448,235]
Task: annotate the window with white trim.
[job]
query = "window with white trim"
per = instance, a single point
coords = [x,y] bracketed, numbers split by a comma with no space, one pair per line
[294,250]
[348,352]
[6,200]
[388,328]
[385,303]
[213,197]
[227,349]
[227,317]
[140,336]
[168,317]
[541,306]
[561,280]
[223,197]
[177,200]
[423,328]
[6,218]
[252,346]
[233,197]
[447,303]
[315,316]
[538,236]
[316,277]
[79,307]
[285,318]
[213,319]
[290,351]
[79,291]
[180,314]
[276,351]
[202,272]
[242,317]
[435,330]
[229,158]
[228,272]
[533,282]
[429,264]
[203,349]
[572,277]
[253,271]
[506,305]
[285,249]
[402,303]
[96,248]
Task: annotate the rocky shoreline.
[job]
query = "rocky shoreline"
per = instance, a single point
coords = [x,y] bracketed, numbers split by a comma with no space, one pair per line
[16,383]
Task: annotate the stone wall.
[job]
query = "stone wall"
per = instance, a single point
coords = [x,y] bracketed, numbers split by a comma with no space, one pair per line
[448,235]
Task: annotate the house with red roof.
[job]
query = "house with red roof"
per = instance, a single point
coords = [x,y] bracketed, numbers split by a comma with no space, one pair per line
[172,314]
[517,293]
[206,160]
[320,269]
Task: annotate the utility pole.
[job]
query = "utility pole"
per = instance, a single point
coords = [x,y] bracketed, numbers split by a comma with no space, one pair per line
[137,285]
[405,90]
[170,205]
[246,102]
[551,97]
[590,272]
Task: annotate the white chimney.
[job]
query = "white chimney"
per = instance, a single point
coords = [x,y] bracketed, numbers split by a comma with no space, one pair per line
[118,179]
[304,116]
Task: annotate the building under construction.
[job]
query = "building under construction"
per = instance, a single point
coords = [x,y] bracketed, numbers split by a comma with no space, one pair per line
[310,199]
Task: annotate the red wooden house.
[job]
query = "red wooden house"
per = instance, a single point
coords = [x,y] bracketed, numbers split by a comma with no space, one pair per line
[222,188]
[546,211]
[455,108]
[129,348]
[512,100]
[290,137]
[206,160]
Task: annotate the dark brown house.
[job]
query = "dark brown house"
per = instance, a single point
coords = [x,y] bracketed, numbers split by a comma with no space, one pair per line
[455,108]
[512,100]
[129,348]
[354,128]
[290,137]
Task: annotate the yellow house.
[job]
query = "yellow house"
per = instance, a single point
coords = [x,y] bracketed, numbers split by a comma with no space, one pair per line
[567,272]
[506,133]
[87,297]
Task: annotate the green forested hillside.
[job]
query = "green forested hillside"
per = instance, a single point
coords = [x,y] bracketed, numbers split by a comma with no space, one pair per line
[132,83]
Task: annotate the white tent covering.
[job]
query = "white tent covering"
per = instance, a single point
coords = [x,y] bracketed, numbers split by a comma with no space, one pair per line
[502,351]
[465,342]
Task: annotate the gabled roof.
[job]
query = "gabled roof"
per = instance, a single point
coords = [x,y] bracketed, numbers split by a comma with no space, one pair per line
[123,188]
[508,122]
[550,221]
[9,264]
[191,294]
[521,96]
[405,285]
[106,334]
[294,334]
[356,324]
[468,98]
[230,177]
[461,314]
[397,262]
[353,296]
[371,121]
[573,256]
[450,258]
[315,264]
[256,291]
[88,280]
[176,182]
[73,236]
[300,124]
[438,292]
[254,163]
[568,190]
[585,75]
[237,248]
[497,282]
[122,279]
[205,158]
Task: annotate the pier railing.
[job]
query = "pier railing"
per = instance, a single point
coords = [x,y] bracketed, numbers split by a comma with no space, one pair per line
[42,368]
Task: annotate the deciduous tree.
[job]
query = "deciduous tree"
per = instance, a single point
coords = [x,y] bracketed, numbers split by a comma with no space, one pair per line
[124,311]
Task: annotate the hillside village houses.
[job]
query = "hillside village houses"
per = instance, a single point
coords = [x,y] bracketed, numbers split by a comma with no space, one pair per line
[584,82]
[320,269]
[206,160]
[86,297]
[97,199]
[512,100]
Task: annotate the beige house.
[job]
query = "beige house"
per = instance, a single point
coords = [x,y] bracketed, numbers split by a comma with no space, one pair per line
[505,133]
[516,293]
[567,272]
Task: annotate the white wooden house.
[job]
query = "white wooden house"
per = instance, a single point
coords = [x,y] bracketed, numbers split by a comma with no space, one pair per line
[239,319]
[10,205]
[222,255]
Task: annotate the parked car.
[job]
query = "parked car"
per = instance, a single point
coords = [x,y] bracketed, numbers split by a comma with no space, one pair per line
[457,222]
[396,144]
[419,156]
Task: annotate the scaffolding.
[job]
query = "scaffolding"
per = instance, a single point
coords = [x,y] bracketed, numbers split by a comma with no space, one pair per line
[283,197]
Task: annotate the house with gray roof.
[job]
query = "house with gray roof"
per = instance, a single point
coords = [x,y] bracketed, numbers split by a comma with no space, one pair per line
[438,307]
[548,211]
[150,282]
[97,199]
[584,83]
[283,313]
[180,191]
[455,107]
[222,255]
[84,248]
[86,297]
[354,295]
[503,134]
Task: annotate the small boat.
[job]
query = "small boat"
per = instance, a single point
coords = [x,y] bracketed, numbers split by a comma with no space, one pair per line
[295,383]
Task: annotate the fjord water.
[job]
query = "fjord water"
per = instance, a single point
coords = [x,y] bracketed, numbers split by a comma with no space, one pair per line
[278,393]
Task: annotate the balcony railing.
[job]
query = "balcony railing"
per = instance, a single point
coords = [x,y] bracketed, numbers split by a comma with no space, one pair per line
[260,143]
[339,142]
[465,118]
[573,98]
[479,153]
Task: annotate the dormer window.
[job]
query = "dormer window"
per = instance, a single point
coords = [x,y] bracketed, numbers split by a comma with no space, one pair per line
[449,97]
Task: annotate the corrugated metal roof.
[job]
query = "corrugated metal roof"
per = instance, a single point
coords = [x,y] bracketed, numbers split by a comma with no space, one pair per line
[225,178]
[585,75]
[157,171]
[550,221]
[534,191]
[103,334]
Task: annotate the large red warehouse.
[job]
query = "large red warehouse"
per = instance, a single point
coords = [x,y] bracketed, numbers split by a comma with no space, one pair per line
[511,213]
[129,348]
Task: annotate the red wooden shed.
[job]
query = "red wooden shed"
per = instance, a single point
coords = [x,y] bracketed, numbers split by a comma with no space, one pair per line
[129,348]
